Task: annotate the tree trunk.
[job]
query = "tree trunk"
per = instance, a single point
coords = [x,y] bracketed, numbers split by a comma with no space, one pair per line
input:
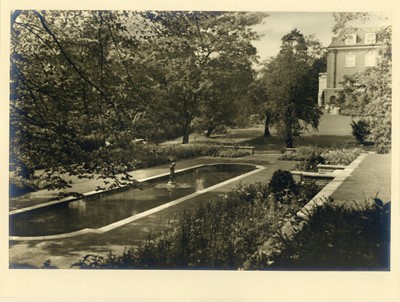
[186,132]
[267,133]
[209,131]
[289,140]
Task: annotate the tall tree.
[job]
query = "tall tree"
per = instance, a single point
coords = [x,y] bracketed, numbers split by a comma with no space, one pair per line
[85,84]
[202,56]
[291,80]
[75,84]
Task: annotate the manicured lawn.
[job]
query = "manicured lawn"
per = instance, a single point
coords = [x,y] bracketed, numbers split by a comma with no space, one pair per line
[334,130]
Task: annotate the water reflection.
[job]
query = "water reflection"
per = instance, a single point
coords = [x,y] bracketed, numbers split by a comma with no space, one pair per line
[200,184]
[115,206]
[78,205]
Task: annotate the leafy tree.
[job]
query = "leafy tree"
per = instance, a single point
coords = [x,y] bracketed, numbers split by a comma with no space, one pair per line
[291,80]
[86,84]
[204,58]
[226,99]
[76,87]
[260,103]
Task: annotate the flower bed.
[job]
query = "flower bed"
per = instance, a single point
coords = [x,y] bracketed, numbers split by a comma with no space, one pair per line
[232,153]
[310,157]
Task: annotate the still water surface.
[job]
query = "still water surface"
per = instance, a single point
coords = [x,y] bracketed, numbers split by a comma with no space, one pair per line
[114,206]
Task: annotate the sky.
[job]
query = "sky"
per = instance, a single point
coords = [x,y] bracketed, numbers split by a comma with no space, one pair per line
[278,24]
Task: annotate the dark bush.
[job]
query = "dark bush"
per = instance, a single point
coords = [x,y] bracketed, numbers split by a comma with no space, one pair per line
[19,186]
[90,143]
[382,149]
[282,180]
[311,162]
[360,131]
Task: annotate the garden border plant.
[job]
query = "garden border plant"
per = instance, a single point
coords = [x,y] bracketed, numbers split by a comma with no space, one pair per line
[310,156]
[352,236]
[219,234]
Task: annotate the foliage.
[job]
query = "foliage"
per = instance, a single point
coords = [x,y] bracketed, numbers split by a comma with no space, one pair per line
[343,19]
[361,130]
[282,184]
[301,153]
[75,88]
[233,153]
[204,60]
[368,94]
[340,156]
[311,156]
[311,162]
[218,235]
[291,81]
[148,155]
[20,186]
[350,237]
[47,265]
[86,84]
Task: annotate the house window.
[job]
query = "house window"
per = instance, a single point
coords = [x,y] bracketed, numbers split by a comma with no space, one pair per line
[370,59]
[350,60]
[351,39]
[370,38]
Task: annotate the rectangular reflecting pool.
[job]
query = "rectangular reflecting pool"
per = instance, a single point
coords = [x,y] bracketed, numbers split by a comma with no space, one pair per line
[107,208]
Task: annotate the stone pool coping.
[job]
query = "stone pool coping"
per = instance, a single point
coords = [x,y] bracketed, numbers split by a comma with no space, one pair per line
[130,219]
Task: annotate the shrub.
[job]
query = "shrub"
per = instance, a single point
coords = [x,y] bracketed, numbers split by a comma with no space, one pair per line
[311,163]
[282,183]
[310,157]
[302,153]
[351,237]
[232,153]
[90,143]
[342,156]
[148,155]
[383,149]
[361,130]
[20,186]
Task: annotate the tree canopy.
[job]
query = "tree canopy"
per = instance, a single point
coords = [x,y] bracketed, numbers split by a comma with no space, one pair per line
[206,60]
[86,84]
[291,81]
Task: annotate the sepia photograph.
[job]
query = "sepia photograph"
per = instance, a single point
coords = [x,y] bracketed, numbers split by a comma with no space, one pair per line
[200,141]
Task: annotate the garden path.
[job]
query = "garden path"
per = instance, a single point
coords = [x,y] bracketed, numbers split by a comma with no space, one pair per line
[371,179]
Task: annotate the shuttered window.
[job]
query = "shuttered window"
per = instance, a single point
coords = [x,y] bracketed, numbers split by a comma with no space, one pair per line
[351,39]
[370,38]
[350,60]
[370,59]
